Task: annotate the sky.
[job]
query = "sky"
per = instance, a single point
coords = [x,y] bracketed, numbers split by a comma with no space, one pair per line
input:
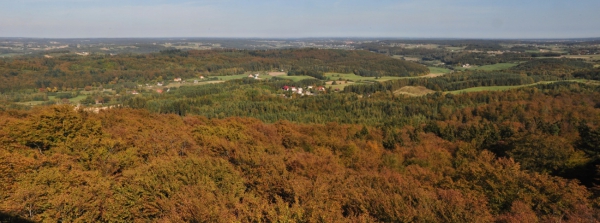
[300,18]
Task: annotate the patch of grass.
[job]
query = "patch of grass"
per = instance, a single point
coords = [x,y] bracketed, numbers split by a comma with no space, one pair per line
[413,59]
[488,88]
[30,103]
[349,76]
[503,88]
[339,84]
[231,77]
[296,78]
[498,66]
[387,78]
[584,57]
[438,70]
[355,78]
[413,91]
[77,99]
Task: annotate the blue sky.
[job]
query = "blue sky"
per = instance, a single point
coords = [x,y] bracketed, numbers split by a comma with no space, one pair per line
[300,18]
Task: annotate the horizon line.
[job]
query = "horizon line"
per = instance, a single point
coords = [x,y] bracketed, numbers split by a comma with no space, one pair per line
[325,37]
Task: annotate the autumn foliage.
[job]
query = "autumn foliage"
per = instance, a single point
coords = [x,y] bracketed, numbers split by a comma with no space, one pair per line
[128,165]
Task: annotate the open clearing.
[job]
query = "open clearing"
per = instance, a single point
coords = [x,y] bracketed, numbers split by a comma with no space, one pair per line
[492,67]
[277,74]
[488,88]
[30,103]
[438,70]
[339,84]
[584,57]
[190,83]
[502,88]
[77,99]
[498,66]
[413,91]
[296,78]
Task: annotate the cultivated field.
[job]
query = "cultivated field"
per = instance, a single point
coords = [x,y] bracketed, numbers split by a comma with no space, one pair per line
[413,91]
[502,88]
[277,73]
[584,57]
[296,78]
[492,67]
[438,70]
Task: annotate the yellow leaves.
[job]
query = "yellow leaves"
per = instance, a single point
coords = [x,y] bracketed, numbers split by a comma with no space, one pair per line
[128,165]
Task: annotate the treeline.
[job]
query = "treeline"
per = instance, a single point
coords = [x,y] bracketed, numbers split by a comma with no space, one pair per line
[477,157]
[480,59]
[550,66]
[593,74]
[71,72]
[469,56]
[452,82]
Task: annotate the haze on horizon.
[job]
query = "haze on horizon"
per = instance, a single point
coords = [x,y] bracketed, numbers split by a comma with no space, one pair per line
[295,19]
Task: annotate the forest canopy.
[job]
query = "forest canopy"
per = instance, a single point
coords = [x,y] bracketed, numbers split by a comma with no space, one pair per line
[71,71]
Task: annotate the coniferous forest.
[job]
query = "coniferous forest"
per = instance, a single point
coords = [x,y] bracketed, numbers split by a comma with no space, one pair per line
[246,150]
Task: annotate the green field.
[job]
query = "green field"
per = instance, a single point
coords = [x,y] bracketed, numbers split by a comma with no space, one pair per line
[30,103]
[339,86]
[488,88]
[502,88]
[402,57]
[77,99]
[583,57]
[231,77]
[498,66]
[438,70]
[295,78]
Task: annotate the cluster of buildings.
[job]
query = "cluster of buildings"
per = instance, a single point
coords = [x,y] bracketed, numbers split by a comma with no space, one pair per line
[301,91]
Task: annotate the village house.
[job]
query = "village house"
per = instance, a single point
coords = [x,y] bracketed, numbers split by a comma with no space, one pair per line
[159,84]
[286,88]
[177,79]
[134,92]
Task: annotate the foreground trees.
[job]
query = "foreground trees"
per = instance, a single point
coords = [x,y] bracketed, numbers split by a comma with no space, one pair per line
[126,165]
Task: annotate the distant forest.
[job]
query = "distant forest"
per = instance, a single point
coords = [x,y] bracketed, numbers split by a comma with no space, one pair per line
[521,145]
[72,71]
